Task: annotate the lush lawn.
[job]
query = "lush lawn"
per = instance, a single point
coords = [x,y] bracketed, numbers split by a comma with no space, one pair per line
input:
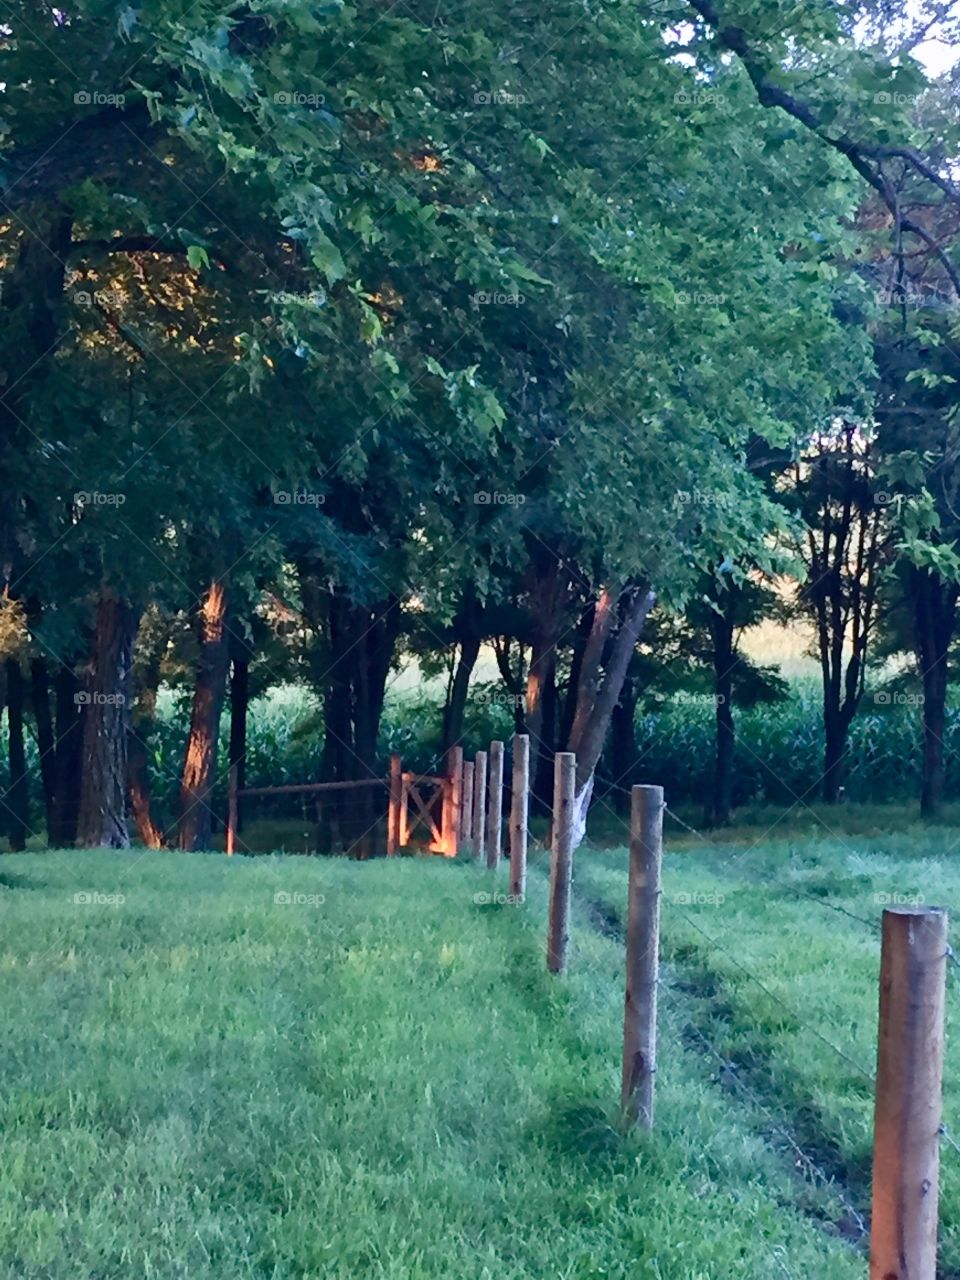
[379,1080]
[767,964]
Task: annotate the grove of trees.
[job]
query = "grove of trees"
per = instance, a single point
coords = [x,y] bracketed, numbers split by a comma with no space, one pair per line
[588,334]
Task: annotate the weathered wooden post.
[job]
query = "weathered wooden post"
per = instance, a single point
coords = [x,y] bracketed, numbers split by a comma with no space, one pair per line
[906,1126]
[519,811]
[561,862]
[393,805]
[643,955]
[479,802]
[453,802]
[466,815]
[230,844]
[494,805]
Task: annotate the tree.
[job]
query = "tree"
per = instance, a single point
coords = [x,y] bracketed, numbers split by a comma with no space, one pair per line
[845,547]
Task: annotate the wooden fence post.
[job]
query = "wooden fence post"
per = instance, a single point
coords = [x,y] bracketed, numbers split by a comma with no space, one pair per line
[494,806]
[479,802]
[453,802]
[519,808]
[466,814]
[233,799]
[643,955]
[906,1127]
[561,863]
[393,805]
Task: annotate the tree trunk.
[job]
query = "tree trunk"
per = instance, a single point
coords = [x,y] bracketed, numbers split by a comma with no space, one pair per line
[546,741]
[18,792]
[69,721]
[143,722]
[724,658]
[338,753]
[377,647]
[46,743]
[455,709]
[934,604]
[623,746]
[934,725]
[200,760]
[103,788]
[590,731]
[834,750]
[239,707]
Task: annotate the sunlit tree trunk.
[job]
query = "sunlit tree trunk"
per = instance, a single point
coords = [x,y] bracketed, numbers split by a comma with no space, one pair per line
[200,760]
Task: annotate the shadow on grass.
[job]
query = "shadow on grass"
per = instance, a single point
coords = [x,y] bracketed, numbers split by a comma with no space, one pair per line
[13,880]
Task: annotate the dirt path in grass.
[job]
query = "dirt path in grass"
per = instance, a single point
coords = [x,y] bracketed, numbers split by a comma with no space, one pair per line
[800,1134]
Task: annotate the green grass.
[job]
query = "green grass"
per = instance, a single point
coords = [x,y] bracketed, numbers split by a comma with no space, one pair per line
[377,1081]
[765,962]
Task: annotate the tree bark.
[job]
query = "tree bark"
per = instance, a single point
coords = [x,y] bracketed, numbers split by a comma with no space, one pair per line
[103,789]
[724,658]
[547,606]
[200,760]
[834,750]
[546,740]
[455,709]
[934,604]
[142,723]
[239,707]
[46,743]
[18,792]
[377,645]
[69,722]
[588,737]
[623,746]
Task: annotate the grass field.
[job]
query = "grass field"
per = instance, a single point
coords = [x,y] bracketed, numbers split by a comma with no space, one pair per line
[371,1076]
[771,956]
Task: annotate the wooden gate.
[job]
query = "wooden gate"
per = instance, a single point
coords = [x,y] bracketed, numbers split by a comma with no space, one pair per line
[424,809]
